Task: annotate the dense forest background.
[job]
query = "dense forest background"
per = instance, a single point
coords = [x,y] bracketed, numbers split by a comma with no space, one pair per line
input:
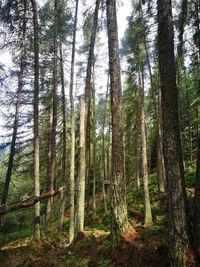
[100,150]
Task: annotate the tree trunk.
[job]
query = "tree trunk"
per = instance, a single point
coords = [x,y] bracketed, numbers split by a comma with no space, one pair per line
[17,109]
[64,150]
[72,123]
[36,122]
[160,157]
[94,149]
[138,150]
[90,64]
[175,185]
[54,116]
[197,203]
[81,174]
[143,150]
[119,219]
[103,151]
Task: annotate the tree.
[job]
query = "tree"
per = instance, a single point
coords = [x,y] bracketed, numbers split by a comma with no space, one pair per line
[72,134]
[90,64]
[175,185]
[119,219]
[53,119]
[20,85]
[36,120]
[80,210]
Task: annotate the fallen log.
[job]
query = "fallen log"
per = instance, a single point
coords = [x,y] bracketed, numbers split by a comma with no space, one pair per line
[27,202]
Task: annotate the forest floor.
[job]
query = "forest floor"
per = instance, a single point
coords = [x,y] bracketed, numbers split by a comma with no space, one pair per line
[93,248]
[146,248]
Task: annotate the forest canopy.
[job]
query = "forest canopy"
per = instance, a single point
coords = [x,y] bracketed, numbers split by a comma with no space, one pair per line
[99,145]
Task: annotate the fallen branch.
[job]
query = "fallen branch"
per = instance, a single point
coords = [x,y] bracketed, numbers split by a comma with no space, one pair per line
[28,202]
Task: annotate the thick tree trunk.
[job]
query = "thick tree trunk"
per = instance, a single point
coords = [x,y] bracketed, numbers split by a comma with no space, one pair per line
[119,219]
[160,157]
[17,108]
[54,116]
[64,150]
[175,186]
[72,134]
[36,122]
[81,172]
[143,150]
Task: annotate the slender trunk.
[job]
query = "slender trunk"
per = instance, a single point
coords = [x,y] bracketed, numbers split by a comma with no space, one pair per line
[54,117]
[197,203]
[64,178]
[103,151]
[17,109]
[119,218]
[90,63]
[138,150]
[36,122]
[94,149]
[81,173]
[144,162]
[175,185]
[72,124]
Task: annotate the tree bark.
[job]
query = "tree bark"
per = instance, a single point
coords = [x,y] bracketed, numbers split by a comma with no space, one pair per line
[197,203]
[64,148]
[90,64]
[103,151]
[36,122]
[143,150]
[175,185]
[54,116]
[27,202]
[72,134]
[119,219]
[160,157]
[82,168]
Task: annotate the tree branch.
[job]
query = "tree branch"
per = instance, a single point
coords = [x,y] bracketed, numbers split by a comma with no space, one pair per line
[28,202]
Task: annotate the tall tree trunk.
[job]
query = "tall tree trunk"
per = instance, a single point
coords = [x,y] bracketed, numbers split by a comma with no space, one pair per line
[72,134]
[90,64]
[54,116]
[197,203]
[17,107]
[36,121]
[160,157]
[144,162]
[64,150]
[103,150]
[119,218]
[81,173]
[94,149]
[138,150]
[175,185]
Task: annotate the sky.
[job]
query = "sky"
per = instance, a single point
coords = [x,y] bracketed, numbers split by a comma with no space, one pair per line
[123,10]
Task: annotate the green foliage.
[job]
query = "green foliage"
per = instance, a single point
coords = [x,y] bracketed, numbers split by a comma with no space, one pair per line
[190,173]
[158,227]
[84,263]
[105,262]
